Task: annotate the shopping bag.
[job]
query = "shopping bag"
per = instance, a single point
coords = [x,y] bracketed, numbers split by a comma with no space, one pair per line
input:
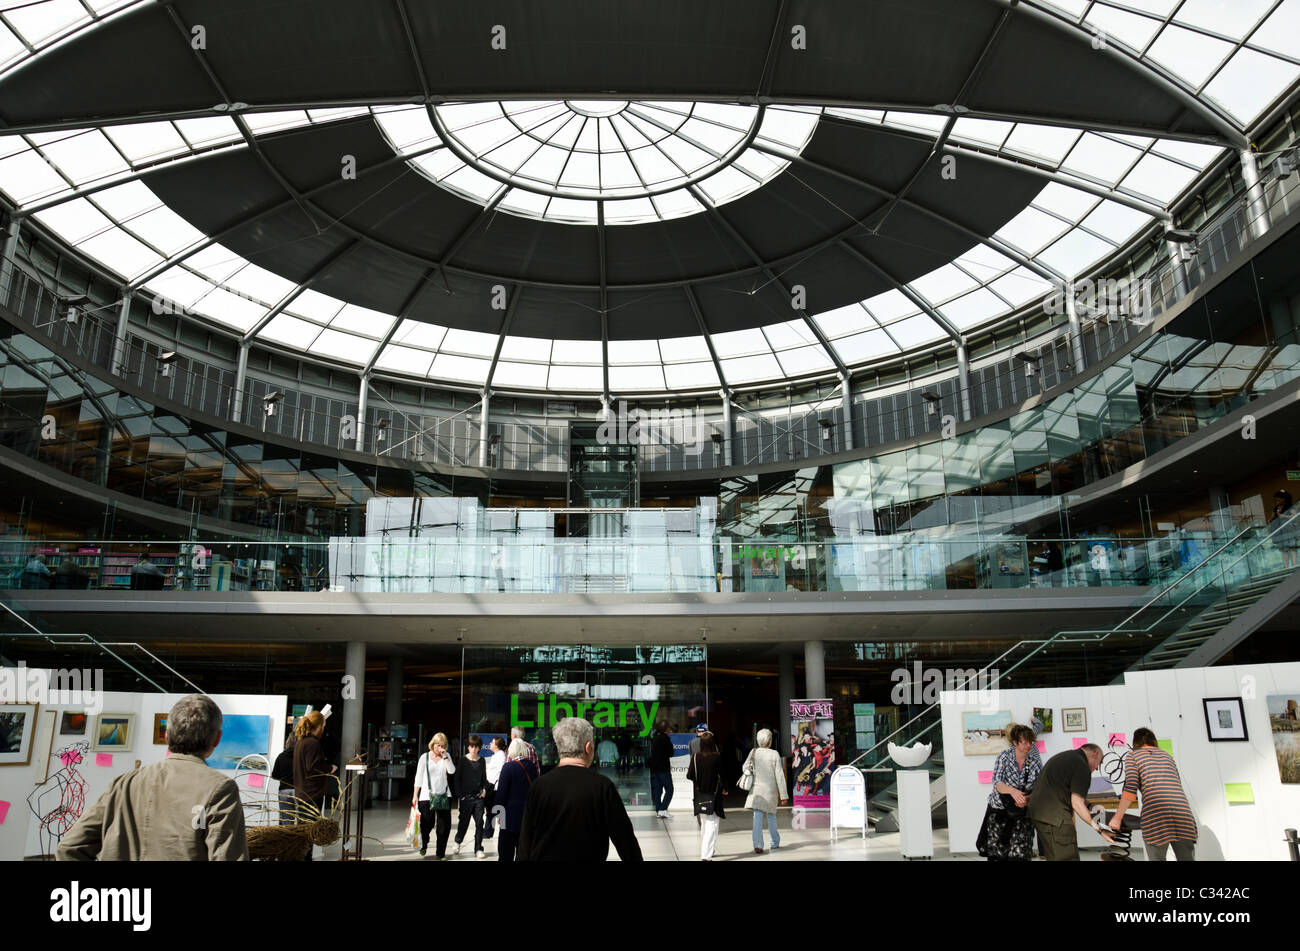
[413,828]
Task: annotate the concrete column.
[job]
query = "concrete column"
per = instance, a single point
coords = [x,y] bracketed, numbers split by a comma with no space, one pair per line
[483,438]
[241,380]
[363,400]
[1256,204]
[119,337]
[355,668]
[726,427]
[7,262]
[785,686]
[1076,328]
[814,670]
[1220,511]
[393,696]
[963,381]
[846,389]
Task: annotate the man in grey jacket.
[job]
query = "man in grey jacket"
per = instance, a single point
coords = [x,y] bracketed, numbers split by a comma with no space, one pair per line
[179,810]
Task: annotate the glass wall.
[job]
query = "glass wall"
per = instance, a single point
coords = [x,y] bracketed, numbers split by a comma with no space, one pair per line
[623,691]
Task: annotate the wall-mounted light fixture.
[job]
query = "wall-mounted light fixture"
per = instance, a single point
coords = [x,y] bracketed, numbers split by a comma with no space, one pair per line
[932,400]
[165,362]
[270,401]
[1031,363]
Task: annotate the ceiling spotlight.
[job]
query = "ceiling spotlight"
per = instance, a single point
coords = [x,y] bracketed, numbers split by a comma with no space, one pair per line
[230,107]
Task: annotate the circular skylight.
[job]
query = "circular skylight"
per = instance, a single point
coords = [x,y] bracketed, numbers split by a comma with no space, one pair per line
[564,160]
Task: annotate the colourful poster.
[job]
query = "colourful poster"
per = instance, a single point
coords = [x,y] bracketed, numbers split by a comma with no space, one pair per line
[812,740]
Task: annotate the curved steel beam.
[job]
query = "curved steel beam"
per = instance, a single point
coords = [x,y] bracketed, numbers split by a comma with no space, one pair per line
[927,308]
[706,334]
[1168,84]
[736,236]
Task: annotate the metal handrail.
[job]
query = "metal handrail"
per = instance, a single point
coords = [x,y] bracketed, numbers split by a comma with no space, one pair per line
[1063,635]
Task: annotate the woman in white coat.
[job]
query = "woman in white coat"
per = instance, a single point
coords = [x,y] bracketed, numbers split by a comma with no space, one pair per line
[768,791]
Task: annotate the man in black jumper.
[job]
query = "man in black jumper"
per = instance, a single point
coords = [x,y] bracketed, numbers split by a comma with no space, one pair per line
[573,812]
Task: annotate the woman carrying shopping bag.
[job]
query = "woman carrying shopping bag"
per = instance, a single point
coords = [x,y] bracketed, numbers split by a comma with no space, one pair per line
[432,794]
[705,772]
[763,777]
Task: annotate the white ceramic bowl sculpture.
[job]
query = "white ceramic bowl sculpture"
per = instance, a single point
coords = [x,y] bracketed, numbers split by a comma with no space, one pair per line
[908,756]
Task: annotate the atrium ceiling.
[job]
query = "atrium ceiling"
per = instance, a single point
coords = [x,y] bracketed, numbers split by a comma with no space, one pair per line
[582,197]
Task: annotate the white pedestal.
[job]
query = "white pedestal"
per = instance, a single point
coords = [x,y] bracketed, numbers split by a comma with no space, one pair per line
[915,833]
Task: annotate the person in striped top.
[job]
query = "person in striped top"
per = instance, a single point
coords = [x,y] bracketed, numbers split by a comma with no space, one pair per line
[1166,815]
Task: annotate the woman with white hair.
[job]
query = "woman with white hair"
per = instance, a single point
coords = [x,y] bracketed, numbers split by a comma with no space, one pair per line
[516,779]
[764,776]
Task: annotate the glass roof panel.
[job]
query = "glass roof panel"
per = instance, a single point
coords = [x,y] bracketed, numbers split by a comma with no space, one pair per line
[1076,247]
[526,375]
[1281,31]
[404,360]
[576,378]
[526,349]
[74,221]
[448,366]
[1250,82]
[631,378]
[290,331]
[121,252]
[739,343]
[865,346]
[41,21]
[802,360]
[842,321]
[751,369]
[689,349]
[346,347]
[147,140]
[1194,56]
[965,312]
[681,376]
[1158,178]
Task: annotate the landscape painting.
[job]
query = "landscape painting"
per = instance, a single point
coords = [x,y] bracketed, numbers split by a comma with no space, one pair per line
[1284,720]
[241,736]
[114,733]
[984,734]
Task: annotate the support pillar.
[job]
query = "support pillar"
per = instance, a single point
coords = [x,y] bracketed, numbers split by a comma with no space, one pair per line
[119,336]
[363,401]
[1220,512]
[355,669]
[1178,268]
[726,427]
[963,381]
[814,669]
[393,696]
[1256,203]
[785,686]
[241,380]
[483,435]
[7,262]
[1076,328]
[846,389]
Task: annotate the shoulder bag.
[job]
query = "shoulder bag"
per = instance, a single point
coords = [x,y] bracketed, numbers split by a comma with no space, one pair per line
[436,801]
[746,783]
[706,805]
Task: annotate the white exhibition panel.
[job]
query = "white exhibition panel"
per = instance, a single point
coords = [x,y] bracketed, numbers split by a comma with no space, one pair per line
[20,831]
[1169,703]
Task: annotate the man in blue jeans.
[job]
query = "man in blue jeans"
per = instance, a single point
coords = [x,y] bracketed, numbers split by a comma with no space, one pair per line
[661,770]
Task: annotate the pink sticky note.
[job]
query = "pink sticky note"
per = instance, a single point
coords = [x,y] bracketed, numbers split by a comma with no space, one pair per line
[103,759]
[256,780]
[4,811]
[1117,739]
[986,776]
[1080,741]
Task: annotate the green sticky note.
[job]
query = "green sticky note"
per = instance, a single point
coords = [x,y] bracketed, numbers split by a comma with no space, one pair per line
[1166,745]
[1239,792]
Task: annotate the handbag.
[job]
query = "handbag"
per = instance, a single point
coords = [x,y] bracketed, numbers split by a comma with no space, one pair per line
[437,801]
[707,805]
[746,783]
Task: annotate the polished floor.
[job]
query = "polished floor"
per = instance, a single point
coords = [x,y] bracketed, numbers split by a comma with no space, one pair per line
[668,840]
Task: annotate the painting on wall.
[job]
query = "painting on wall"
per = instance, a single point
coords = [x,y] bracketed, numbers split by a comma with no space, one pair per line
[17,728]
[72,723]
[1284,720]
[1074,719]
[114,733]
[160,729]
[1041,721]
[1225,720]
[984,734]
[241,735]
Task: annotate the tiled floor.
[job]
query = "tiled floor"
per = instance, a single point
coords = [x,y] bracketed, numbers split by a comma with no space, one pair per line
[672,840]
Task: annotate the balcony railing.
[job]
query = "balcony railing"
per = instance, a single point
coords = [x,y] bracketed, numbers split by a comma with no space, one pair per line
[533,565]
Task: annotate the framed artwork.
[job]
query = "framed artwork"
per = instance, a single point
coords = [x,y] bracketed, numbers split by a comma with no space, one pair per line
[241,735]
[72,723]
[1041,721]
[984,734]
[48,724]
[1225,720]
[1284,722]
[1074,719]
[17,731]
[160,729]
[114,733]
